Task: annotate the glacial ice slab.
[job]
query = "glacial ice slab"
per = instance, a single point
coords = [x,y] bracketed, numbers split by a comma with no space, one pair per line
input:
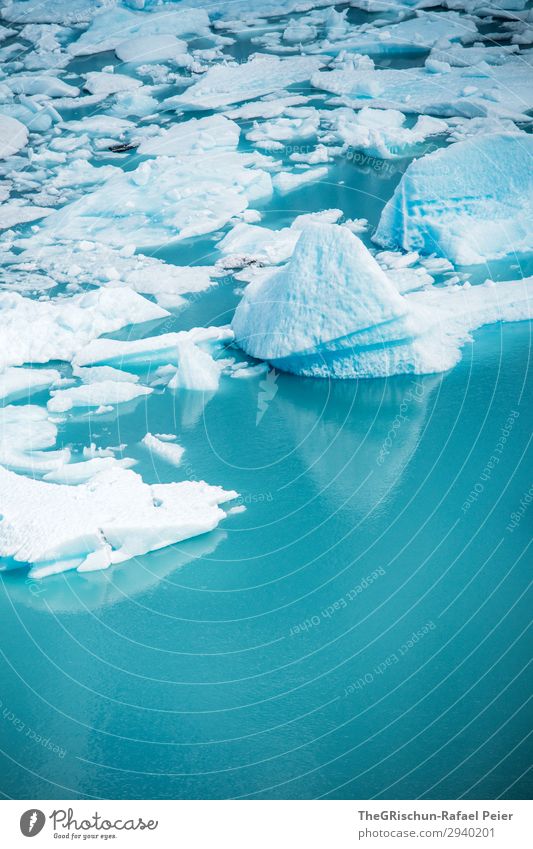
[110,519]
[226,84]
[470,202]
[61,327]
[112,26]
[502,91]
[332,311]
[163,200]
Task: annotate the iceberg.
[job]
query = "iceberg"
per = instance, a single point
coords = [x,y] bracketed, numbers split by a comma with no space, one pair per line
[112,518]
[332,311]
[470,202]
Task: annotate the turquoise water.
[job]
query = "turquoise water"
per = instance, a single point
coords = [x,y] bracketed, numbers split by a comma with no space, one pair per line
[360,631]
[276,657]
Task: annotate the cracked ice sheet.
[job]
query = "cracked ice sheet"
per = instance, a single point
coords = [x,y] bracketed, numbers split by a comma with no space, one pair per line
[503,91]
[415,35]
[163,200]
[26,435]
[61,327]
[80,264]
[223,85]
[114,517]
[113,26]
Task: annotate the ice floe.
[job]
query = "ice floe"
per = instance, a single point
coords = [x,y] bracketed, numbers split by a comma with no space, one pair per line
[18,382]
[163,200]
[503,90]
[113,26]
[110,519]
[103,393]
[34,331]
[226,84]
[26,437]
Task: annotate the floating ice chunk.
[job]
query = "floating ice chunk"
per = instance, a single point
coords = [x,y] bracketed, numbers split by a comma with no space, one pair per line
[197,370]
[98,82]
[273,135]
[76,473]
[13,136]
[15,213]
[164,200]
[25,435]
[154,48]
[155,350]
[113,518]
[225,84]
[99,125]
[248,243]
[286,182]
[45,84]
[17,382]
[112,26]
[104,393]
[170,452]
[196,136]
[381,132]
[271,107]
[101,373]
[61,327]
[470,202]
[333,312]
[299,33]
